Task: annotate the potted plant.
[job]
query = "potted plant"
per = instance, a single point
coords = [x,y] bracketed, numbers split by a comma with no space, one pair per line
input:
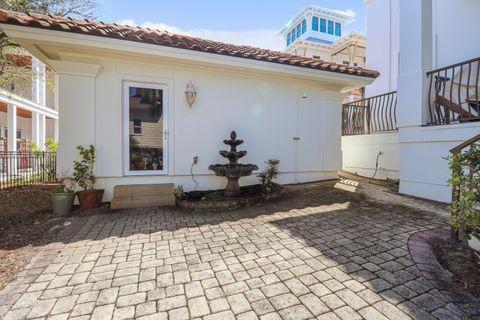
[465,205]
[89,197]
[62,198]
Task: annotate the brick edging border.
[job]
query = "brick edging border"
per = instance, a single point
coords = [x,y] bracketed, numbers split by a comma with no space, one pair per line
[425,260]
[22,280]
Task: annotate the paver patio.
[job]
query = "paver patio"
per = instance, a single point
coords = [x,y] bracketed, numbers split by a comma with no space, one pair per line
[323,252]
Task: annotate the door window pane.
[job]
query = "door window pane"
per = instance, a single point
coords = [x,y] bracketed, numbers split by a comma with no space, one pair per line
[146,131]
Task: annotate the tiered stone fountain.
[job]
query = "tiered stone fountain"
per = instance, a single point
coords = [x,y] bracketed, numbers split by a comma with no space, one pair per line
[233,170]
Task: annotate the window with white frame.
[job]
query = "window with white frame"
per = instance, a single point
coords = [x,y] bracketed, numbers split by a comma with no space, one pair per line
[145,114]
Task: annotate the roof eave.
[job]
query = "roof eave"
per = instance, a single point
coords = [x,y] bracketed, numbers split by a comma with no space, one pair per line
[32,37]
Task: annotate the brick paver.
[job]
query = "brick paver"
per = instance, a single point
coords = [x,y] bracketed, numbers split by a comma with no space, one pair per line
[322,252]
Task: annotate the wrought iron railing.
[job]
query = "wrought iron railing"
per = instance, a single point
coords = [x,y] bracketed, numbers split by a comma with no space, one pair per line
[26,168]
[453,93]
[370,115]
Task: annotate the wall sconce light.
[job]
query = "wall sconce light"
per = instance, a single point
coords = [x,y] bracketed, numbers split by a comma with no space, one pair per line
[190,94]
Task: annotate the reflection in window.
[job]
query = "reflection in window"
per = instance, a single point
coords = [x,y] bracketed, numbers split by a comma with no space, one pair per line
[145,109]
[299,31]
[304,26]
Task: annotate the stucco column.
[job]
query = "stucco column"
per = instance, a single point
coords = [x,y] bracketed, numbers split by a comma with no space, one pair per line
[55,130]
[12,127]
[35,127]
[38,81]
[415,60]
[42,128]
[75,93]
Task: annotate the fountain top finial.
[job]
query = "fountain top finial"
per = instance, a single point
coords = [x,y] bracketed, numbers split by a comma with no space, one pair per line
[233,135]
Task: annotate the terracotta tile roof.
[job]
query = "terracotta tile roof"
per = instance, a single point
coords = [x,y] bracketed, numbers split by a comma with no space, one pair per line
[162,38]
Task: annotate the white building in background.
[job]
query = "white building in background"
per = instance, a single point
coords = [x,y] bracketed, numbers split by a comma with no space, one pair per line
[428,59]
[27,111]
[318,33]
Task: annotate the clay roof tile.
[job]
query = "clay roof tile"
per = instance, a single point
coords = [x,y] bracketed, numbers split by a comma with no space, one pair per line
[164,38]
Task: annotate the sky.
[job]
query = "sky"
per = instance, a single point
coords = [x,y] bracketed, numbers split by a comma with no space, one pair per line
[250,22]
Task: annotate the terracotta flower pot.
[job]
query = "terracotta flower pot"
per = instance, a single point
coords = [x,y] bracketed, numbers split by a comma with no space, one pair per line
[90,199]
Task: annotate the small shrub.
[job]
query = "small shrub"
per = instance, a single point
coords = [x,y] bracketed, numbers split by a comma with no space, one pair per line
[179,193]
[465,180]
[271,172]
[51,145]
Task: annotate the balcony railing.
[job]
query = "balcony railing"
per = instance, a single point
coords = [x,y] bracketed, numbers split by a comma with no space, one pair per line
[453,93]
[26,168]
[370,115]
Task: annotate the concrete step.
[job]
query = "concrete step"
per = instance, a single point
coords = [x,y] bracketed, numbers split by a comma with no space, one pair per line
[143,196]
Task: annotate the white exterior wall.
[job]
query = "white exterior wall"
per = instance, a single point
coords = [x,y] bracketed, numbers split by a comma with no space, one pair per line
[424,171]
[382,45]
[434,33]
[261,108]
[360,155]
[455,28]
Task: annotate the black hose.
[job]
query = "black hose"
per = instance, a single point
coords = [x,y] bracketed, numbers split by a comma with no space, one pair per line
[193,177]
[376,165]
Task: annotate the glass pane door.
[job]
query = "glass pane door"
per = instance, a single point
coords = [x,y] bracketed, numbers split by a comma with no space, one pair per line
[146,145]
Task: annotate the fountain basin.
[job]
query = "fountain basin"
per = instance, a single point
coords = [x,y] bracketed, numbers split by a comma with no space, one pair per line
[232,172]
[216,199]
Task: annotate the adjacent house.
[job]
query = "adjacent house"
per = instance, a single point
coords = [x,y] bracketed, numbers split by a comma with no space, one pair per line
[123,89]
[426,100]
[318,33]
[27,111]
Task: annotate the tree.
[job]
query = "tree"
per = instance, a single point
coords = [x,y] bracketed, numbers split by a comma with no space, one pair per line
[13,73]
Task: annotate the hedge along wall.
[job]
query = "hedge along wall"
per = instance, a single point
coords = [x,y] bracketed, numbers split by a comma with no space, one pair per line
[19,203]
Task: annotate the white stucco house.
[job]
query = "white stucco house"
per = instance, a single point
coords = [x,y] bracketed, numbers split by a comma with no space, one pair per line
[426,100]
[123,89]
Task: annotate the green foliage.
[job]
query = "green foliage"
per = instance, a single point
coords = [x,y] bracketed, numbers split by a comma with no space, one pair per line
[83,169]
[74,8]
[465,180]
[271,172]
[15,78]
[179,192]
[51,145]
[33,147]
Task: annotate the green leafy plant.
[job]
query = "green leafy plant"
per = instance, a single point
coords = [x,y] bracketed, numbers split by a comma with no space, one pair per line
[465,180]
[83,170]
[51,145]
[179,192]
[33,147]
[271,172]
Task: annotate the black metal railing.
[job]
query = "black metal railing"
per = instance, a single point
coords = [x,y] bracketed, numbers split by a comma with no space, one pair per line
[370,115]
[453,93]
[26,168]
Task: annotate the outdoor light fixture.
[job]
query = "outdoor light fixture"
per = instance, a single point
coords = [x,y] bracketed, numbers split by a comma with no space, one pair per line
[190,94]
